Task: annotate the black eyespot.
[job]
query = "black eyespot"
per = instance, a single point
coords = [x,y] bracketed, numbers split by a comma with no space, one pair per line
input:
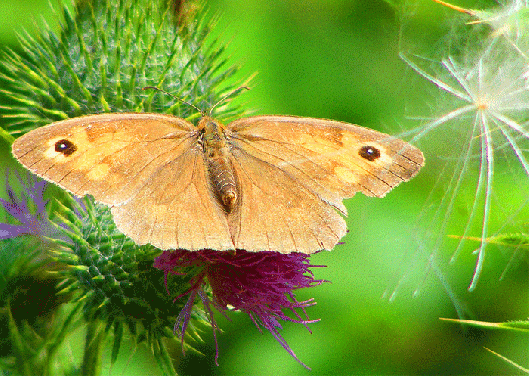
[65,147]
[369,152]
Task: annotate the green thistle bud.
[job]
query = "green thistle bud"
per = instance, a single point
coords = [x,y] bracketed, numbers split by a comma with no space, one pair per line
[106,53]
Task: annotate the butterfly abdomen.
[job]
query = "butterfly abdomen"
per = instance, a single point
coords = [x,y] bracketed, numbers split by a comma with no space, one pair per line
[220,170]
[223,181]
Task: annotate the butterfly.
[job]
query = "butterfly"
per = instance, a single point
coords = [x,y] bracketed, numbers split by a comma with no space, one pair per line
[262,183]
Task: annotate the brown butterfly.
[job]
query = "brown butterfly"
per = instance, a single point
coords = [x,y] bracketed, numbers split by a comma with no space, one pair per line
[263,183]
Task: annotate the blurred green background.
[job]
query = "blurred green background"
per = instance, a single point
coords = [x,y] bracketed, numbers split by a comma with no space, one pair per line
[339,60]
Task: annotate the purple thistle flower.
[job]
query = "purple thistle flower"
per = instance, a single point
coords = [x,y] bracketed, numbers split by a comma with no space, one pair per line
[28,208]
[260,284]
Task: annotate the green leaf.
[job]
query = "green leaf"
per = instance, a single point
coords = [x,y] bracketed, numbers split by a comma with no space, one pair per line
[517,326]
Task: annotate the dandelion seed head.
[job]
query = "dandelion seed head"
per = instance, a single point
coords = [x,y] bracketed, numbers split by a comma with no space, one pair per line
[486,91]
[506,19]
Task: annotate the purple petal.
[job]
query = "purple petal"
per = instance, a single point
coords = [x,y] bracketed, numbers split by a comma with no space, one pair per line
[260,284]
[8,231]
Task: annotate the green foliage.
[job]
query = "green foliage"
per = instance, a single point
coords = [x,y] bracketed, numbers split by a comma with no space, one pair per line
[516,326]
[34,319]
[520,240]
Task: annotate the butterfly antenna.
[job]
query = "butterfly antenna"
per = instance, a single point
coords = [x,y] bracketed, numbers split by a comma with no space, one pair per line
[174,96]
[236,91]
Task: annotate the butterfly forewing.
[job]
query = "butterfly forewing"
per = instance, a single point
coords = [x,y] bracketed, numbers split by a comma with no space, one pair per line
[109,156]
[332,159]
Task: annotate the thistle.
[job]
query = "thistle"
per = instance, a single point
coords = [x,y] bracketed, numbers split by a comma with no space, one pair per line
[259,284]
[102,58]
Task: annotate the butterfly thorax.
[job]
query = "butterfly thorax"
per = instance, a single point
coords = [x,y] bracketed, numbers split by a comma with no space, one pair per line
[216,153]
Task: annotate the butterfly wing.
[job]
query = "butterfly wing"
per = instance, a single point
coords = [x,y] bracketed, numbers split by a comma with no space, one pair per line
[300,169]
[177,209]
[277,213]
[147,167]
